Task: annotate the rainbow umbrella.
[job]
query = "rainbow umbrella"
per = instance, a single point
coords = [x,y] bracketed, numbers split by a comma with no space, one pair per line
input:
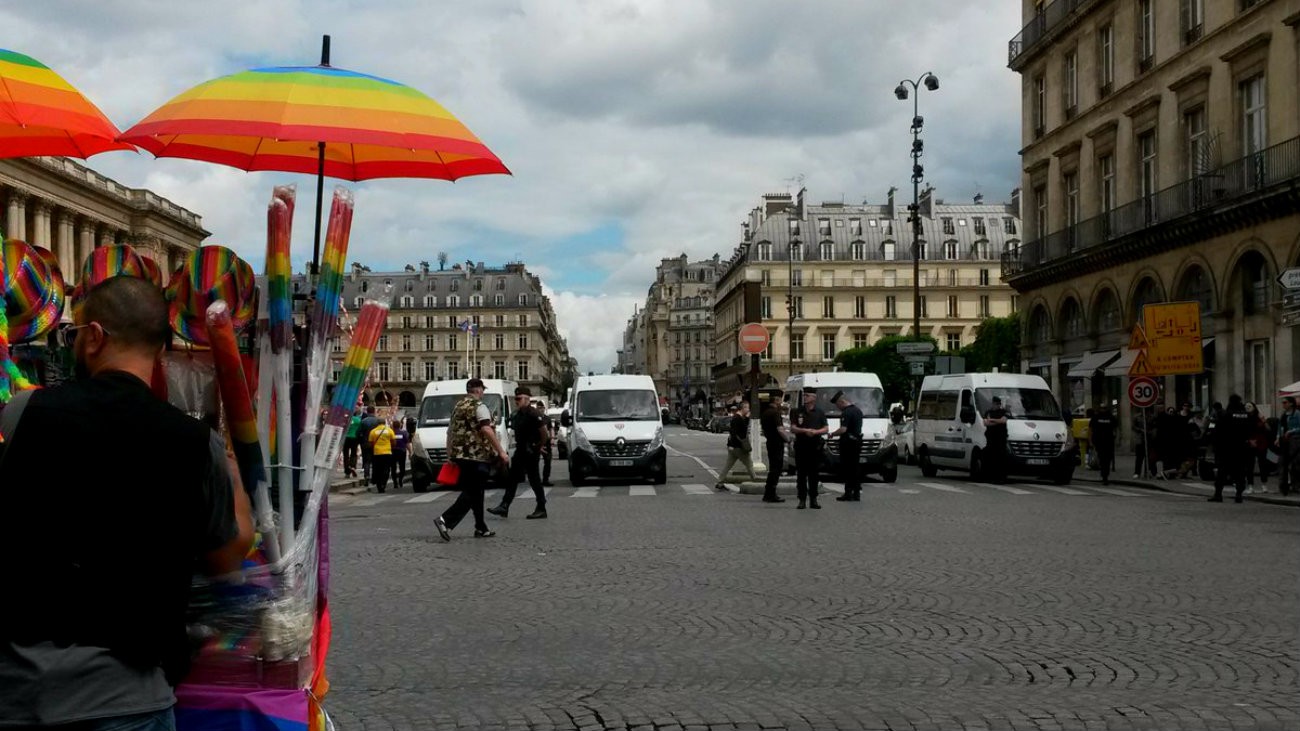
[315,119]
[41,114]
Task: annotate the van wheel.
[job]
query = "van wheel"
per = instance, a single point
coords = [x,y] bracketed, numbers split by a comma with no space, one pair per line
[977,466]
[1064,476]
[889,474]
[927,467]
[661,477]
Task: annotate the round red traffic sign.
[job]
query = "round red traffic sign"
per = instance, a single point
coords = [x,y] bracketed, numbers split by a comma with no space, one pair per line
[754,338]
[1143,392]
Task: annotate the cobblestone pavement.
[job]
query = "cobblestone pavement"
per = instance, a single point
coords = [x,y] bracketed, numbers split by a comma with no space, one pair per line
[918,608]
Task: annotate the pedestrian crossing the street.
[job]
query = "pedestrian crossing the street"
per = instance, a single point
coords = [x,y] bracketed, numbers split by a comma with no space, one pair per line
[953,490]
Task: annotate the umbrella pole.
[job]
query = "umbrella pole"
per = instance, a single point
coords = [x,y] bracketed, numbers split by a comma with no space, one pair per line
[320,193]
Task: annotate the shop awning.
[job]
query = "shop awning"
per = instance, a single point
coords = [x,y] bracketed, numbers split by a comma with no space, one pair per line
[1092,363]
[1120,367]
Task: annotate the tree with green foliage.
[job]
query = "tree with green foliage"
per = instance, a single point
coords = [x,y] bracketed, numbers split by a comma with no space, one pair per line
[882,359]
[997,345]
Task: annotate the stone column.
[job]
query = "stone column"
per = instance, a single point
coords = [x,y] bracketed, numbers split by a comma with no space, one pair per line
[16,226]
[66,250]
[107,236]
[41,236]
[87,245]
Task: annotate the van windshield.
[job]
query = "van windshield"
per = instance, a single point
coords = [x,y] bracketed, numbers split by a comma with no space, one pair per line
[617,405]
[436,410]
[1020,403]
[867,398]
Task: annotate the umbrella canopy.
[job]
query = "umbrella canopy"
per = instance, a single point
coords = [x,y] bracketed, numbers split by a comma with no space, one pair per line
[41,114]
[1291,390]
[276,118]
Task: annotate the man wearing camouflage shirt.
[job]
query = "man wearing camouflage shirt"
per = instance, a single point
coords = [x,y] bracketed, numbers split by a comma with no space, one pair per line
[473,445]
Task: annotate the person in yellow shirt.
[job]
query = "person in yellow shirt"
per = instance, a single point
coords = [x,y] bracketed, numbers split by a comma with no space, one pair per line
[381,439]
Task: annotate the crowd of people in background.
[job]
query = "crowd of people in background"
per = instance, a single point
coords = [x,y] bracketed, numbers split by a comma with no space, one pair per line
[384,448]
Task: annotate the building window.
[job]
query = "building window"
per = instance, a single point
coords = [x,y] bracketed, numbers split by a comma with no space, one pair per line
[522,370]
[978,223]
[523,300]
[1106,176]
[828,347]
[428,322]
[499,340]
[478,285]
[1070,84]
[859,340]
[891,307]
[765,251]
[1147,173]
[950,250]
[499,369]
[794,227]
[430,371]
[1009,225]
[455,285]
[889,251]
[765,308]
[429,343]
[523,321]
[1193,20]
[858,251]
[796,251]
[891,278]
[925,307]
[954,341]
[406,323]
[952,277]
[1146,35]
[452,342]
[406,370]
[1040,212]
[767,354]
[796,347]
[383,343]
[501,320]
[796,277]
[824,226]
[827,252]
[499,300]
[453,369]
[383,371]
[1254,122]
[430,301]
[453,300]
[920,250]
[1196,147]
[798,307]
[859,307]
[523,341]
[984,277]
[501,283]
[855,226]
[947,226]
[828,306]
[1015,303]
[952,306]
[984,306]
[408,301]
[1071,181]
[1040,105]
[406,343]
[765,278]
[1106,60]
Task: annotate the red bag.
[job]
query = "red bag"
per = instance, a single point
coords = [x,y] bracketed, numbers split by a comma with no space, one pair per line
[449,475]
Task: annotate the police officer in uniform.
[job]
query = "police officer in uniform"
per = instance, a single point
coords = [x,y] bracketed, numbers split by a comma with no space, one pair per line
[1230,434]
[995,439]
[809,426]
[550,443]
[850,434]
[1101,429]
[775,437]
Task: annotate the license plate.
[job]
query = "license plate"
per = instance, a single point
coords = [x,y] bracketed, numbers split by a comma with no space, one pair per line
[620,463]
[1038,462]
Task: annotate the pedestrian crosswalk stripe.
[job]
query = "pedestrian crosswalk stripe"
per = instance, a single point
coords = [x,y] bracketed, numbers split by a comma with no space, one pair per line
[366,502]
[1005,488]
[427,497]
[910,492]
[941,486]
[528,494]
[1062,490]
[1114,491]
[641,490]
[697,489]
[832,488]
[492,495]
[1197,485]
[586,492]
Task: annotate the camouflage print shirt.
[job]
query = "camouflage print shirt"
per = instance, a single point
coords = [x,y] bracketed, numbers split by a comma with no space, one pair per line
[465,438]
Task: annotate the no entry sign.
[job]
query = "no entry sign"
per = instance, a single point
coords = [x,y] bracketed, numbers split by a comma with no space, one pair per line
[754,338]
[1143,392]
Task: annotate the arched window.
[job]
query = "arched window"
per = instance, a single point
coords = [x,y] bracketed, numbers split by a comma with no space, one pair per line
[1040,326]
[1106,317]
[1147,292]
[1072,323]
[1196,286]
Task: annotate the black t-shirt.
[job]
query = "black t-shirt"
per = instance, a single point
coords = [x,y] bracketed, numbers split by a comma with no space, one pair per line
[738,431]
[771,422]
[996,432]
[1101,429]
[1233,428]
[527,424]
[805,419]
[851,420]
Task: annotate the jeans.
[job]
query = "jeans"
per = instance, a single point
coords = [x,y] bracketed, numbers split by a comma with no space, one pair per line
[523,464]
[735,455]
[473,478]
[163,720]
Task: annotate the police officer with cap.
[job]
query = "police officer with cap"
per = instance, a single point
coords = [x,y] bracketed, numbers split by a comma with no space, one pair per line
[808,424]
[850,434]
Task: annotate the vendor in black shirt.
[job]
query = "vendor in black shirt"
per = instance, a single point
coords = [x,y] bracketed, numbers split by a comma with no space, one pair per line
[809,426]
[995,440]
[850,434]
[775,436]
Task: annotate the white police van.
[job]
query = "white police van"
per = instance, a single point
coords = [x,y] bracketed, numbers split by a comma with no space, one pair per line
[879,453]
[429,445]
[614,429]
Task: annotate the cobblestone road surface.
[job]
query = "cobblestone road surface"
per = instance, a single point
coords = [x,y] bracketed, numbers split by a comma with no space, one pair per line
[918,608]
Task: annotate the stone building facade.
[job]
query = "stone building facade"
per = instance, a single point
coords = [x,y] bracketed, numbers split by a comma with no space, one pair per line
[671,337]
[518,337]
[66,207]
[837,276]
[1161,160]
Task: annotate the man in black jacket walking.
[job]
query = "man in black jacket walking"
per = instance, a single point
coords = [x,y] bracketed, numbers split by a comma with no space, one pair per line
[737,445]
[775,436]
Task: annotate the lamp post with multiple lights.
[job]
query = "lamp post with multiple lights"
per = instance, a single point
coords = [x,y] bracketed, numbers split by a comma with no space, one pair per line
[930,82]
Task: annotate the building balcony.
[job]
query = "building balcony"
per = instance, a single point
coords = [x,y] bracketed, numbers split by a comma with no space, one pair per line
[1055,16]
[1262,186]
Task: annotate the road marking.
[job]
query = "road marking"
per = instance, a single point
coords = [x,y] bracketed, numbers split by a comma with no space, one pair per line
[698,489]
[492,495]
[1197,485]
[1005,488]
[366,502]
[643,490]
[941,486]
[528,494]
[427,497]
[910,492]
[1113,491]
[1062,490]
[585,492]
[831,488]
[701,462]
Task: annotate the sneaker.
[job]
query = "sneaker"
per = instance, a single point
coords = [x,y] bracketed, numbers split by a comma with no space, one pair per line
[537,514]
[484,533]
[441,525]
[548,483]
[719,486]
[773,499]
[815,505]
[844,499]
[500,511]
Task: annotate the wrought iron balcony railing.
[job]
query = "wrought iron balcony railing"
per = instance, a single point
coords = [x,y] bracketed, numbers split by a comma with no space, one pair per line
[1050,17]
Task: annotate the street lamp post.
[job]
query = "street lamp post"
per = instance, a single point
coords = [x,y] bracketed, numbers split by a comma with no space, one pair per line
[791,215]
[931,82]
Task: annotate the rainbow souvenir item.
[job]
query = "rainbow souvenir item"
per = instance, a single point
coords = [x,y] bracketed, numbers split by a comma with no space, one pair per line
[275,118]
[279,224]
[329,288]
[105,263]
[41,114]
[33,292]
[210,273]
[152,271]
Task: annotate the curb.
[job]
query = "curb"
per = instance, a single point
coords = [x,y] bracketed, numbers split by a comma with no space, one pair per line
[1269,499]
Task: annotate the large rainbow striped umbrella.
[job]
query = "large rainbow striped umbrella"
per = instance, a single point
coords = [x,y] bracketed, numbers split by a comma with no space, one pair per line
[41,114]
[315,119]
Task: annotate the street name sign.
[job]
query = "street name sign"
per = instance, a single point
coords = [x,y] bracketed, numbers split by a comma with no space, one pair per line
[754,338]
[1290,278]
[1143,392]
[921,348]
[916,359]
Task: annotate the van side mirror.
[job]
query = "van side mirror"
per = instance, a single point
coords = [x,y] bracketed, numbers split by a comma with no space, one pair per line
[566,419]
[968,415]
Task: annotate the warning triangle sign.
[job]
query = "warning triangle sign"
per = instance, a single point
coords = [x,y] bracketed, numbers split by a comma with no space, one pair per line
[1141,366]
[1138,339]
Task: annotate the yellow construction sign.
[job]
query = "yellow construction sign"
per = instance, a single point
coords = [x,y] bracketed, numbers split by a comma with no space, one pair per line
[1168,340]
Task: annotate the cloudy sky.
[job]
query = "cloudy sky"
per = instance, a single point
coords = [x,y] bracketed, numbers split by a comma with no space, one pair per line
[635,129]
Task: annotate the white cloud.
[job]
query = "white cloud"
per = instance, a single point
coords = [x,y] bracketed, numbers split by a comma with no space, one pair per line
[593,326]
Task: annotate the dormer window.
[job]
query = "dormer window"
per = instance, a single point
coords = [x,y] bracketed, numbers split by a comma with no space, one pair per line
[765,251]
[827,251]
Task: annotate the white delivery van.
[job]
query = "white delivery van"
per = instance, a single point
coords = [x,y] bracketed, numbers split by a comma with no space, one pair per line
[879,453]
[614,429]
[949,426]
[430,441]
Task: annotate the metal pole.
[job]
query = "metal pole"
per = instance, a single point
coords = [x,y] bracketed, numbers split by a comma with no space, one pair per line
[789,283]
[916,224]
[320,171]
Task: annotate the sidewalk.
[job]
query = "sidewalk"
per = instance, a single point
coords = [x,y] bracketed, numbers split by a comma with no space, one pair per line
[1190,486]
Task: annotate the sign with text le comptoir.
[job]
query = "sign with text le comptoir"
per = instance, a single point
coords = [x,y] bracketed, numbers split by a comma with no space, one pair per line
[1168,340]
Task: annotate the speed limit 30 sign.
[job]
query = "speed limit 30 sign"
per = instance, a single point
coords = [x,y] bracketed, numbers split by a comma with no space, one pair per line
[1143,392]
